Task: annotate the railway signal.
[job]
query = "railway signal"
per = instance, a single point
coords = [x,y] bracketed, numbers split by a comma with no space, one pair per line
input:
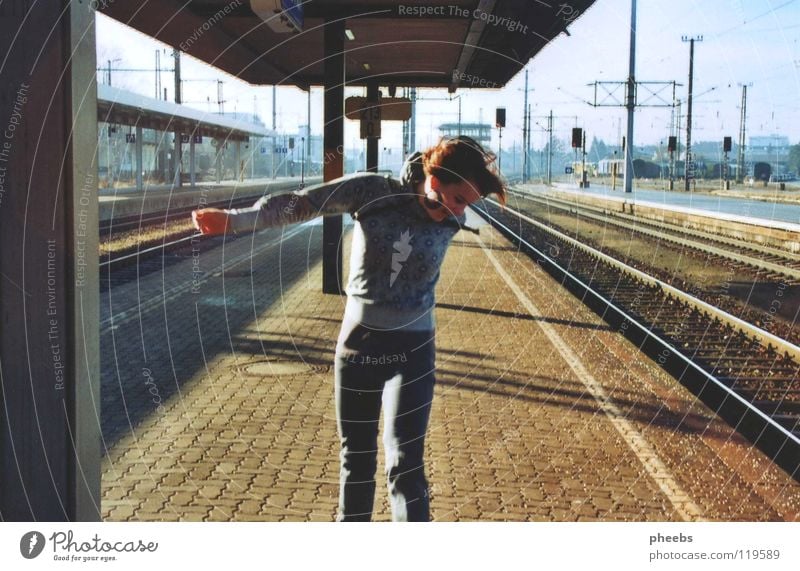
[576,137]
[726,148]
[500,122]
[672,146]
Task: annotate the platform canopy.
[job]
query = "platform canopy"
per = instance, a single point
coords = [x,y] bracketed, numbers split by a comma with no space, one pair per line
[126,108]
[461,43]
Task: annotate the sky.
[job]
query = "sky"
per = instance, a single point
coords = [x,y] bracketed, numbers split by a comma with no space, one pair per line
[752,42]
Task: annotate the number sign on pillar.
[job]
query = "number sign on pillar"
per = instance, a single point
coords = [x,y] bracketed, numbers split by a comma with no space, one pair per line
[371,122]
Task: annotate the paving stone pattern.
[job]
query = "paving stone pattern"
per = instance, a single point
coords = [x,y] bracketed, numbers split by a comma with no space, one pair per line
[514,435]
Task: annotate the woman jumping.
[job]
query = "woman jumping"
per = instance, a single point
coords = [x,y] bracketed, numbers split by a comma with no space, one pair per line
[385,352]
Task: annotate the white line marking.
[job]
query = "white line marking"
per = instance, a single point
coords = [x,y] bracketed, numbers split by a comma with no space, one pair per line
[684,505]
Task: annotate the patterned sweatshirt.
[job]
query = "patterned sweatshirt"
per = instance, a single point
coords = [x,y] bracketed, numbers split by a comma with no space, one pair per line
[397,249]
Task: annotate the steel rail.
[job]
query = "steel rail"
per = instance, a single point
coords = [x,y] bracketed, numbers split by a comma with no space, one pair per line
[654,222]
[764,337]
[781,444]
[139,253]
[135,221]
[687,243]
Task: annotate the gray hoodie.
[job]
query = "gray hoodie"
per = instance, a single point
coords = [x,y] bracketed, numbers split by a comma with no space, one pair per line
[397,249]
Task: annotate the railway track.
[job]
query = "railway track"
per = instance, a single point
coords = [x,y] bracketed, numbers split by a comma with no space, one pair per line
[136,222]
[770,263]
[127,223]
[778,318]
[747,375]
[157,239]
[125,267]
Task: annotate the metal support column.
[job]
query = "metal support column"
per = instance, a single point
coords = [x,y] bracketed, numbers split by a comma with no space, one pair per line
[333,142]
[584,175]
[459,115]
[49,279]
[372,142]
[740,161]
[725,181]
[672,170]
[528,148]
[525,133]
[251,144]
[689,169]
[412,123]
[500,149]
[139,159]
[274,106]
[308,122]
[630,103]
[272,156]
[689,174]
[176,162]
[550,149]
[192,173]
[406,150]
[218,168]
[239,170]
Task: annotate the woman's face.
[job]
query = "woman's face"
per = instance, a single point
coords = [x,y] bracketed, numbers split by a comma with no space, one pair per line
[444,200]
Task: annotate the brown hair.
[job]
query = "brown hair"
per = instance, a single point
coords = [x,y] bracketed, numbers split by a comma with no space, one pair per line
[462,158]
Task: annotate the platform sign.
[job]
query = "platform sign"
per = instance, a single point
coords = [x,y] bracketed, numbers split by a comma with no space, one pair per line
[567,170]
[198,139]
[371,122]
[184,138]
[263,150]
[130,137]
[392,108]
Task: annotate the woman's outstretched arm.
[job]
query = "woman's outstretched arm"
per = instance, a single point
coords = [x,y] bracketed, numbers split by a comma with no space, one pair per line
[346,194]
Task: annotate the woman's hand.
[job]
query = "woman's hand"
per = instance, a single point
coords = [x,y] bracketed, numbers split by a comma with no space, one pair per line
[211,221]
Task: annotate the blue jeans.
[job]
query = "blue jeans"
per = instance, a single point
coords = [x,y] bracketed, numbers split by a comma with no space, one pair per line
[395,369]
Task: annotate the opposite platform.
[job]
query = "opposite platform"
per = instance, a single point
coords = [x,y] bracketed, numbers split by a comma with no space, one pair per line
[773,225]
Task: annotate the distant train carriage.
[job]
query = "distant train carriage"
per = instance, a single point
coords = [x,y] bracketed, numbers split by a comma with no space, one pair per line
[762,171]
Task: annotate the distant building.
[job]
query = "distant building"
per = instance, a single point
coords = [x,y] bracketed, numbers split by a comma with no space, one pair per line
[764,143]
[606,166]
[481,132]
[772,150]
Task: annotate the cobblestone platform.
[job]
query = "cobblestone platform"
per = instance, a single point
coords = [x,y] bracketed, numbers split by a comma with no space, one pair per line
[541,412]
